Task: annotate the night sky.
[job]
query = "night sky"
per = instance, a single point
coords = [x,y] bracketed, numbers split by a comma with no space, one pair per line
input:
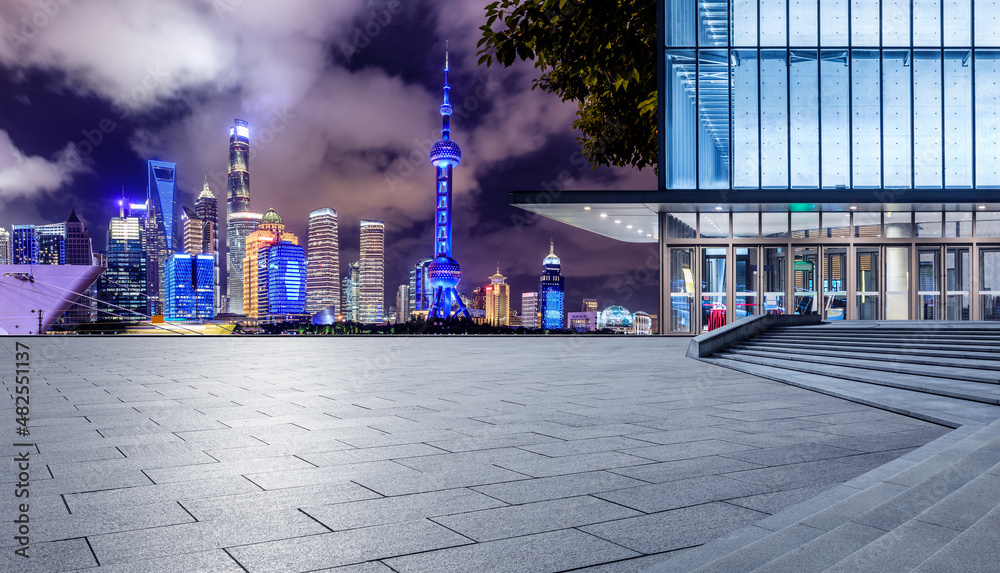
[342,98]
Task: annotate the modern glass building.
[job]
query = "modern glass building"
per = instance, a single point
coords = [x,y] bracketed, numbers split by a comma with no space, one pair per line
[286,279]
[836,157]
[24,245]
[372,285]
[206,207]
[123,288]
[190,287]
[5,256]
[352,292]
[323,277]
[551,292]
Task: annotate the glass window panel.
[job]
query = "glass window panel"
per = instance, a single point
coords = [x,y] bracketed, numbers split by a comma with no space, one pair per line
[834,283]
[896,119]
[805,119]
[864,23]
[713,27]
[746,150]
[926,23]
[681,225]
[958,224]
[805,225]
[897,283]
[681,289]
[896,23]
[867,225]
[772,22]
[774,118]
[681,121]
[836,224]
[867,276]
[929,284]
[680,25]
[834,110]
[866,121]
[987,113]
[956,268]
[713,107]
[774,225]
[745,270]
[898,225]
[713,290]
[802,23]
[987,23]
[987,224]
[958,118]
[774,280]
[714,225]
[989,284]
[745,226]
[805,273]
[957,22]
[927,118]
[744,17]
[833,22]
[928,224]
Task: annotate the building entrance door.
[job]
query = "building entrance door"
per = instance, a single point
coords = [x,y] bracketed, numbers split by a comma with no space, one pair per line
[683,319]
[867,274]
[713,288]
[929,283]
[834,283]
[805,274]
[956,283]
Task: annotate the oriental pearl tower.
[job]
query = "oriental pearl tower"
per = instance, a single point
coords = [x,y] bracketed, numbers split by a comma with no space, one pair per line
[444,272]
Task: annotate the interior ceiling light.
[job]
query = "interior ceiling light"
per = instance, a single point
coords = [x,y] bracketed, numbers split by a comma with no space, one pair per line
[618,221]
[628,226]
[586,208]
[719,208]
[604,215]
[981,207]
[854,207]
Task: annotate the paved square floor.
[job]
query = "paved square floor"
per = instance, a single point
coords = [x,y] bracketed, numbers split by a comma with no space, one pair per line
[422,454]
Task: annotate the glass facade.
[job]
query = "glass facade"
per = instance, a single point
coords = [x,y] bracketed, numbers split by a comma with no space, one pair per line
[286,279]
[190,287]
[827,94]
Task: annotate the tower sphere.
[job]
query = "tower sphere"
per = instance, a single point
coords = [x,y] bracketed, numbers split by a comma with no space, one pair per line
[444,272]
[445,153]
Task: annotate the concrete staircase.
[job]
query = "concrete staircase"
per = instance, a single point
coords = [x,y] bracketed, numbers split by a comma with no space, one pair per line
[934,509]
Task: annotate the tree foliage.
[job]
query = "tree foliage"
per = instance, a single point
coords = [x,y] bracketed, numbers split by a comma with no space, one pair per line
[600,54]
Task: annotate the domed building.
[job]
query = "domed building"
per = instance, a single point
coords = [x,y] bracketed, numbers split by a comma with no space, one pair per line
[273,271]
[616,318]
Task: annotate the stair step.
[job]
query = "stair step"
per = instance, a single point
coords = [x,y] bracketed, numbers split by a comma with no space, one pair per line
[927,385]
[932,368]
[989,360]
[975,550]
[941,342]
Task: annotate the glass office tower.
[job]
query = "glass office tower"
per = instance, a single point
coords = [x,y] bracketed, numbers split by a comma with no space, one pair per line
[832,157]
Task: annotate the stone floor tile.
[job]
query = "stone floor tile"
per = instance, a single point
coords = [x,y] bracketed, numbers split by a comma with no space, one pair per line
[384,510]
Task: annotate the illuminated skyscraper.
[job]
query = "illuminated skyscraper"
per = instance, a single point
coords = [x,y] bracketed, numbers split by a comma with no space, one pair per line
[372,288]
[240,222]
[323,274]
[550,292]
[420,286]
[207,209]
[123,286]
[51,244]
[403,303]
[24,246]
[189,287]
[161,194]
[191,232]
[5,256]
[352,292]
[256,285]
[286,279]
[498,300]
[79,247]
[529,309]
[589,305]
[444,272]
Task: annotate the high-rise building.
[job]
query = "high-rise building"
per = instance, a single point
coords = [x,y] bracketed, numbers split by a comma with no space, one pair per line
[192,232]
[123,287]
[498,300]
[79,247]
[444,272]
[240,221]
[403,303]
[529,309]
[161,239]
[285,279]
[24,245]
[51,248]
[372,292]
[352,292]
[206,206]
[189,287]
[589,305]
[420,286]
[551,292]
[256,288]
[323,273]
[5,256]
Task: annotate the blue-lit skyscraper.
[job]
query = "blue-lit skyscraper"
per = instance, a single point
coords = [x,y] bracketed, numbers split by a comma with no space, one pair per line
[420,291]
[444,272]
[24,245]
[551,292]
[123,286]
[286,279]
[161,236]
[190,287]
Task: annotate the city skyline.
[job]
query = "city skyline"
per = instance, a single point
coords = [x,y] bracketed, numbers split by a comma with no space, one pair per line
[331,130]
